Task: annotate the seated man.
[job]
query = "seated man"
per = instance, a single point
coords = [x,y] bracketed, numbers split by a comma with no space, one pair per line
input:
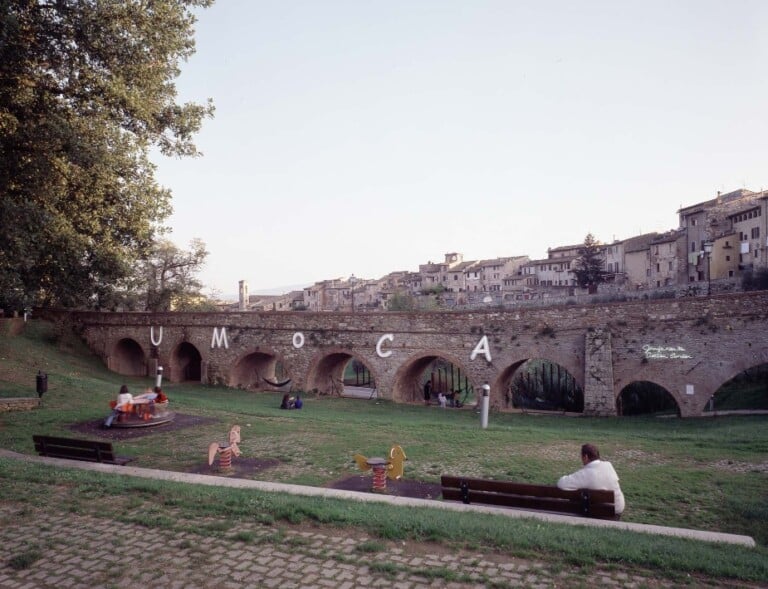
[596,474]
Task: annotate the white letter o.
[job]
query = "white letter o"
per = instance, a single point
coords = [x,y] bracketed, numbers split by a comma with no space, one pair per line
[298,340]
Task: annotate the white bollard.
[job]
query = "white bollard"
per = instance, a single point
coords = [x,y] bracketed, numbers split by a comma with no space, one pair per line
[484,402]
[159,379]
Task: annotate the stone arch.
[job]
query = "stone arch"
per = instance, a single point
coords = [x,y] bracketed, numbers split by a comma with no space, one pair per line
[128,358]
[641,397]
[326,373]
[556,381]
[407,385]
[259,370]
[185,363]
[752,377]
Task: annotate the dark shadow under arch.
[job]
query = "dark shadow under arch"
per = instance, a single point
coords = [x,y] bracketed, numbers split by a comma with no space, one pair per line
[746,391]
[538,384]
[186,363]
[644,397]
[128,358]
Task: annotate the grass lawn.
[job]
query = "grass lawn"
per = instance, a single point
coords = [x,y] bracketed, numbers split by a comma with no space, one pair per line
[700,473]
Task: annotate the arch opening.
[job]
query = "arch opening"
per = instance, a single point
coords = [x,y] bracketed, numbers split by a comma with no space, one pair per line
[259,371]
[746,391]
[342,374]
[128,358]
[186,363]
[445,377]
[537,384]
[646,398]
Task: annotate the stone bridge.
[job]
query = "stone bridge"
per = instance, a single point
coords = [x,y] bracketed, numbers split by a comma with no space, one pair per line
[690,347]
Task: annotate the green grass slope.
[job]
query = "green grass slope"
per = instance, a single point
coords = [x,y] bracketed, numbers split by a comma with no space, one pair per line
[699,473]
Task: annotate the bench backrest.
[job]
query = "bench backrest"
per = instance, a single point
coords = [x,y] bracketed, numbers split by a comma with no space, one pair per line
[587,502]
[89,450]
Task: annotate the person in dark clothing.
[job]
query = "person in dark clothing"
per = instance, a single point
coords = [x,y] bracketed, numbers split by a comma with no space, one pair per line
[427,392]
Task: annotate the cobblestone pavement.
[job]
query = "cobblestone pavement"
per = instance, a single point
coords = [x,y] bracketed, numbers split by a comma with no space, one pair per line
[45,548]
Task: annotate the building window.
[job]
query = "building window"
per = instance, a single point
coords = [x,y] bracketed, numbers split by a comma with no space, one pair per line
[730,273]
[693,246]
[755,232]
[670,266]
[693,222]
[727,258]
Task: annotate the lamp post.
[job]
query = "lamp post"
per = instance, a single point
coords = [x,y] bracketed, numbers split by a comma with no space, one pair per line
[708,250]
[484,402]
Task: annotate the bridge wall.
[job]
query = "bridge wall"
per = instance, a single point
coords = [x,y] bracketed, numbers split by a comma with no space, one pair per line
[688,346]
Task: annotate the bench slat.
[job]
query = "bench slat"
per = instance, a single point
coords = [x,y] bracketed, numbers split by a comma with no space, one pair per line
[86,450]
[594,503]
[596,496]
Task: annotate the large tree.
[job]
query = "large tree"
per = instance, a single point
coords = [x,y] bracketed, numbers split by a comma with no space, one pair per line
[589,266]
[164,279]
[167,278]
[86,90]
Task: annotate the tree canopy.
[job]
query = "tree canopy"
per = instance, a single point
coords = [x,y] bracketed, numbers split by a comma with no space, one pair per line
[86,91]
[589,267]
[165,279]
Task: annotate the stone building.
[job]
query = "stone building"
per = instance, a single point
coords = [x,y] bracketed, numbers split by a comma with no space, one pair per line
[664,254]
[726,236]
[717,239]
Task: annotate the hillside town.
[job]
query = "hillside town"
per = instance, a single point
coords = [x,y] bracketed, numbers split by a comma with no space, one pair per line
[716,244]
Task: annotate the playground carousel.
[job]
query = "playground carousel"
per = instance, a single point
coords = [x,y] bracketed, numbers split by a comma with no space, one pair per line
[145,410]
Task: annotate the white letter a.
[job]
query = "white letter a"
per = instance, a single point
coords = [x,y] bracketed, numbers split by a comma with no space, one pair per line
[482,347]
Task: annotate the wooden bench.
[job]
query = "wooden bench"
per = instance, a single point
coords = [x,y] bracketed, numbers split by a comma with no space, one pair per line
[73,449]
[586,502]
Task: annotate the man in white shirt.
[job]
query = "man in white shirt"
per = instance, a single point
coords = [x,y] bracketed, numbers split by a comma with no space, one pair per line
[597,474]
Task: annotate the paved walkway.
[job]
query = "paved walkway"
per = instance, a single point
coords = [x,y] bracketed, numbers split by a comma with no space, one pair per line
[81,551]
[75,550]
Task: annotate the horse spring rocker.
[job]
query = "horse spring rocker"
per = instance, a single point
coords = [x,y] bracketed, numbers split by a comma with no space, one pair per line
[225,451]
[391,468]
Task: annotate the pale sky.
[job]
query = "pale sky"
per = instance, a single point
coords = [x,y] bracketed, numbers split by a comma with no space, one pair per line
[363,137]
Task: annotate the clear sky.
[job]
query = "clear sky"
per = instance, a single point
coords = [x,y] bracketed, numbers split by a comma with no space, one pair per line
[362,137]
